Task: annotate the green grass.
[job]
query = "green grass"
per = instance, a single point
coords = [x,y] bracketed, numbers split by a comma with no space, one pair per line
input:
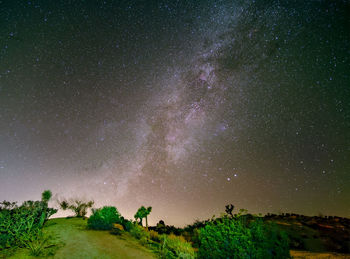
[76,241]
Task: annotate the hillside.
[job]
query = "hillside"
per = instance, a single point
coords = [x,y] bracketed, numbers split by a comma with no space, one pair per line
[315,234]
[75,241]
[310,237]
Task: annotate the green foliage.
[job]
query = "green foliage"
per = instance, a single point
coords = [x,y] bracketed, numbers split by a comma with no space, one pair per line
[163,251]
[38,244]
[64,205]
[154,236]
[233,238]
[46,195]
[18,225]
[139,232]
[104,218]
[141,213]
[128,225]
[176,247]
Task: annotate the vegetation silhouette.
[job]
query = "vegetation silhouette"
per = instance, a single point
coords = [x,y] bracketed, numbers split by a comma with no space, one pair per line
[232,235]
[78,206]
[229,208]
[141,213]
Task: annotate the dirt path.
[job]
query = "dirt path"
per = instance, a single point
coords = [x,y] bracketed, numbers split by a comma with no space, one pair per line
[82,243]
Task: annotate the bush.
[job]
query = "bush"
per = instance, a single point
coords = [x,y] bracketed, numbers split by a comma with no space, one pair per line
[139,232]
[78,206]
[103,219]
[23,223]
[40,245]
[117,229]
[231,238]
[179,246]
[154,236]
[175,247]
[128,225]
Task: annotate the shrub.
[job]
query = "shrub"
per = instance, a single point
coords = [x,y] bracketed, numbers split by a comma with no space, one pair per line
[128,225]
[117,229]
[154,236]
[38,244]
[177,246]
[23,223]
[139,232]
[103,219]
[180,246]
[231,238]
[78,206]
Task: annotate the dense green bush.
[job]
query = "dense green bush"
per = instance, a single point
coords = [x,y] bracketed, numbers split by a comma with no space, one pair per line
[233,238]
[173,246]
[103,219]
[19,226]
[139,232]
[128,225]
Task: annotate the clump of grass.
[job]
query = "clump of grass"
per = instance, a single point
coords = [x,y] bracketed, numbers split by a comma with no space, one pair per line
[40,245]
[154,236]
[179,246]
[139,232]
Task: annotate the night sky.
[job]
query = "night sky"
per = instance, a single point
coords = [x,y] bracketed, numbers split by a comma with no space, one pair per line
[184,106]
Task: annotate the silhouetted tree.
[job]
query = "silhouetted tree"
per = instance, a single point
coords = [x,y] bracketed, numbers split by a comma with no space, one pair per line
[141,213]
[46,196]
[161,227]
[147,212]
[64,205]
[229,209]
[77,206]
[138,215]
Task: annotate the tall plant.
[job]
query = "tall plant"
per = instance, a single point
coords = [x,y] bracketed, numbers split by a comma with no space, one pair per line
[143,212]
[20,225]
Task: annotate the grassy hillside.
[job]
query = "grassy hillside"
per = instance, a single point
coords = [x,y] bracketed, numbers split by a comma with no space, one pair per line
[76,241]
[310,237]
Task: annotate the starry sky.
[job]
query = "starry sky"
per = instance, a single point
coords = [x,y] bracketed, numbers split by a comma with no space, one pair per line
[185,106]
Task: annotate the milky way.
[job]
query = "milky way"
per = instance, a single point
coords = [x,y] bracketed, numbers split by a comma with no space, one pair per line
[184,106]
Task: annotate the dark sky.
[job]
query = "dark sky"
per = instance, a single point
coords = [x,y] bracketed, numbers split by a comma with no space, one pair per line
[184,106]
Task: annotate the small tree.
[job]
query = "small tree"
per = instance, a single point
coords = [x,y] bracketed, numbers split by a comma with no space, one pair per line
[229,209]
[46,196]
[64,205]
[141,213]
[47,212]
[138,215]
[77,206]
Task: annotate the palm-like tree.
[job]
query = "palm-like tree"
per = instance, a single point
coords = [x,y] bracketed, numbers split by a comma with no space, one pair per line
[147,212]
[46,196]
[138,215]
[229,209]
[64,205]
[141,213]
